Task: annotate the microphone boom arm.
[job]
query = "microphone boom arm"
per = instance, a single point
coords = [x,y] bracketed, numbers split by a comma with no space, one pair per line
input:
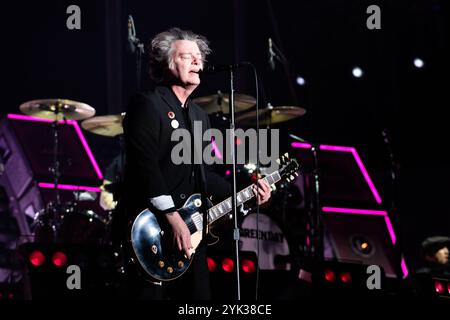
[278,54]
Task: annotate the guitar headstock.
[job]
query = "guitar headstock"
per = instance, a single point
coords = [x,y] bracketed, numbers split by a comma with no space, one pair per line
[288,167]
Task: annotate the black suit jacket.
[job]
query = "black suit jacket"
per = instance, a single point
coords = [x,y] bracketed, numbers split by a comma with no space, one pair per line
[151,177]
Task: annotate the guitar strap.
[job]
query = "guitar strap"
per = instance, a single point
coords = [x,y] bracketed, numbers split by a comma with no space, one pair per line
[201,176]
[206,204]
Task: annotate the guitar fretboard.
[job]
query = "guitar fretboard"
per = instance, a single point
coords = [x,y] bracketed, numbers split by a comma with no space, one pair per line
[222,208]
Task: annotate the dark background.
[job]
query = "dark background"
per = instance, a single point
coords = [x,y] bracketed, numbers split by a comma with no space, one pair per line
[322,40]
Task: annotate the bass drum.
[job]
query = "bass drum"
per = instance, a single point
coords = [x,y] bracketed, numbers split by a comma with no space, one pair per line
[70,224]
[273,246]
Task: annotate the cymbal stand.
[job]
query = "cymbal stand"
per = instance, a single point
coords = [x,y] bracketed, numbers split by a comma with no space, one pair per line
[55,208]
[318,253]
[55,167]
[317,231]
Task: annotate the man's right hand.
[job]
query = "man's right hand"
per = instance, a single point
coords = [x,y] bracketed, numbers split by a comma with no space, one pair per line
[181,233]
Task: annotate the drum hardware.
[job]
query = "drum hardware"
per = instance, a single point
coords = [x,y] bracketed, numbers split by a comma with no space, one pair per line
[219,102]
[109,126]
[48,222]
[56,110]
[70,224]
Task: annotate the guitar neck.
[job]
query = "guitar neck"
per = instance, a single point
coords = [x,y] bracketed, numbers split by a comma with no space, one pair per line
[224,207]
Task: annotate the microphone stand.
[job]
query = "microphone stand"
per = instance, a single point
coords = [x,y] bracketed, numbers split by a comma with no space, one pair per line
[139,54]
[138,48]
[394,172]
[278,54]
[236,235]
[317,225]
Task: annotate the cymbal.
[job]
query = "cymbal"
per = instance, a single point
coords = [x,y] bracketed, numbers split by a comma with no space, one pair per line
[271,115]
[109,126]
[219,102]
[57,109]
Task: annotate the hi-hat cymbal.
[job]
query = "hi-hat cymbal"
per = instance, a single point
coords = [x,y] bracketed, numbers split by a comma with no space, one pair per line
[271,115]
[219,102]
[57,109]
[109,126]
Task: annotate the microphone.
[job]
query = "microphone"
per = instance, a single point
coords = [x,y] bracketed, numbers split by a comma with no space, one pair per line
[271,56]
[212,69]
[131,34]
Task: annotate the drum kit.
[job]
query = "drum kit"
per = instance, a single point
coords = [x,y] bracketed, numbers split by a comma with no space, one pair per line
[59,221]
[273,253]
[218,105]
[69,222]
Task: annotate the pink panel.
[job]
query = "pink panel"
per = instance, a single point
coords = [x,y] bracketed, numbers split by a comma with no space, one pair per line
[68,187]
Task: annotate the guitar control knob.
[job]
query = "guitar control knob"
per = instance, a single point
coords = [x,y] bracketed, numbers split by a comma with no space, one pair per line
[180,264]
[169,269]
[198,203]
[154,249]
[161,264]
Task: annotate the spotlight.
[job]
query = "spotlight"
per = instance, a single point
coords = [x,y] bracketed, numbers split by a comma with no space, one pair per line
[330,276]
[301,81]
[37,258]
[418,63]
[248,266]
[59,259]
[438,287]
[346,277]
[211,264]
[227,265]
[362,246]
[357,72]
[250,167]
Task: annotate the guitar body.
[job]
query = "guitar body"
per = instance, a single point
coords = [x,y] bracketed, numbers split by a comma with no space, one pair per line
[152,241]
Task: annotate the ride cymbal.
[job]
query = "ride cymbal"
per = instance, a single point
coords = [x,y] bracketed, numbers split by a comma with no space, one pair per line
[271,115]
[219,102]
[109,126]
[57,109]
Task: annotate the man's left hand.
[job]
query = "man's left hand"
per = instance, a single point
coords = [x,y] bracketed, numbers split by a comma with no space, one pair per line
[263,192]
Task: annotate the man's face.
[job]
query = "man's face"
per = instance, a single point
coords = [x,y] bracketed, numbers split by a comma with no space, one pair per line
[442,256]
[187,61]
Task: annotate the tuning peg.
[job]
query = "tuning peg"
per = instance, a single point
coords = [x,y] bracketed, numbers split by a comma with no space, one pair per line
[282,159]
[286,155]
[278,161]
[296,173]
[287,179]
[292,177]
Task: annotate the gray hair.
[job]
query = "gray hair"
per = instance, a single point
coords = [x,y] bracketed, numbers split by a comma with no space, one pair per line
[161,49]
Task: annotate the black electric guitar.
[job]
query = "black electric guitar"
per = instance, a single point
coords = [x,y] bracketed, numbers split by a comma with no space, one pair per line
[152,240]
